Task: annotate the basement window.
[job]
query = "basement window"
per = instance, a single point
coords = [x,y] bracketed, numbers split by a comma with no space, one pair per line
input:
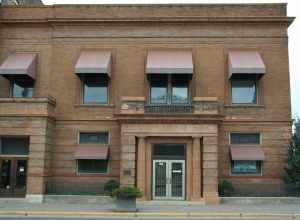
[246,167]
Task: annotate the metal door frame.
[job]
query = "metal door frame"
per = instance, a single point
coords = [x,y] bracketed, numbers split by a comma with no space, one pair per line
[12,192]
[168,176]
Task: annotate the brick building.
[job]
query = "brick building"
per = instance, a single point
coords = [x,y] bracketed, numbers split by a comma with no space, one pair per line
[171,98]
[21,2]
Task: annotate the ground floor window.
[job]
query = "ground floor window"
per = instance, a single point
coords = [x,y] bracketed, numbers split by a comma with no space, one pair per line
[14,146]
[246,167]
[92,166]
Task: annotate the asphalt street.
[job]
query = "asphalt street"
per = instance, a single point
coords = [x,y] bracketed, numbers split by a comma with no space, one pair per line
[125,218]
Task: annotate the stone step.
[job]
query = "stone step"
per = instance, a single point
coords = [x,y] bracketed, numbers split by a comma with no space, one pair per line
[78,199]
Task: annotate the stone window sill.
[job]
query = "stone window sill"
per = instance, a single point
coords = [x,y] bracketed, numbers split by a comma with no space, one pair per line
[94,106]
[244,106]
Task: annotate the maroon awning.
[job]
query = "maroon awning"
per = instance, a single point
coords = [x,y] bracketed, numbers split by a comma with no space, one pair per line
[169,62]
[92,152]
[94,62]
[247,153]
[245,62]
[19,64]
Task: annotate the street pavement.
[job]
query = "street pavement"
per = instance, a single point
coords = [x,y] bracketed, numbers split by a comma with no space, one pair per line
[16,210]
[133,218]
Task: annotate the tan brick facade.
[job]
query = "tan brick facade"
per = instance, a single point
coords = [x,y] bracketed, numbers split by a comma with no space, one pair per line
[59,33]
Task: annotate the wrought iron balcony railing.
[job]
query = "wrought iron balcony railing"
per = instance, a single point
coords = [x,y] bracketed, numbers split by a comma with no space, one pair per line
[199,106]
[168,108]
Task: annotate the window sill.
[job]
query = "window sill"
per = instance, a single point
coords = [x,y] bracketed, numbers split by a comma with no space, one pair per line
[94,106]
[246,175]
[93,174]
[244,106]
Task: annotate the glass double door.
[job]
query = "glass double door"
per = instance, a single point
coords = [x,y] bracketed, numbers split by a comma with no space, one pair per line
[13,176]
[168,179]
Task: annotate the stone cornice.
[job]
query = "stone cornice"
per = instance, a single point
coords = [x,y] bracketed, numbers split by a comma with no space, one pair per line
[177,19]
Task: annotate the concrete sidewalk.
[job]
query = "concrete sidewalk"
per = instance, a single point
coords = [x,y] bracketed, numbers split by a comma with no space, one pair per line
[179,209]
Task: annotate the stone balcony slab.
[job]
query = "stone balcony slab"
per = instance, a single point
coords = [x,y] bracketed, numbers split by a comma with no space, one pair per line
[27,107]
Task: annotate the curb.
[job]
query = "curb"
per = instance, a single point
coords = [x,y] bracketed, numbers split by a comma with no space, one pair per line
[149,214]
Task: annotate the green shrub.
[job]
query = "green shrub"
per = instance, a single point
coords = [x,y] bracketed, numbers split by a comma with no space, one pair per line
[110,186]
[226,188]
[126,193]
[291,173]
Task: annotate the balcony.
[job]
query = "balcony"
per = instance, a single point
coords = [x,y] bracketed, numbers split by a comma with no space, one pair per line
[16,107]
[199,106]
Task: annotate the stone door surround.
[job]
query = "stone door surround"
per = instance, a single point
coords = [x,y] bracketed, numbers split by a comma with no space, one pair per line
[201,142]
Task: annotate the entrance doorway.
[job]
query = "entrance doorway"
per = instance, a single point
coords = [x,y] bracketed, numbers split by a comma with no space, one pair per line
[168,181]
[13,175]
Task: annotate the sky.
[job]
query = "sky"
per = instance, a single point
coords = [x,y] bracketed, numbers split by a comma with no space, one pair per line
[294,32]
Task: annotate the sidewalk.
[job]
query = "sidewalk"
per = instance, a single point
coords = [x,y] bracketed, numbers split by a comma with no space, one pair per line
[179,209]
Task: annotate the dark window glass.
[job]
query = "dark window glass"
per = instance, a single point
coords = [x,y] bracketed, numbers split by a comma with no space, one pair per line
[180,89]
[14,146]
[243,91]
[246,167]
[95,89]
[169,151]
[93,138]
[22,88]
[92,166]
[158,89]
[240,139]
[169,89]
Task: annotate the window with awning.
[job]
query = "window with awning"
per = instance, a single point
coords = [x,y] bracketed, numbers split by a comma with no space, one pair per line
[246,153]
[92,152]
[20,69]
[169,74]
[245,63]
[169,62]
[94,70]
[84,152]
[94,62]
[245,70]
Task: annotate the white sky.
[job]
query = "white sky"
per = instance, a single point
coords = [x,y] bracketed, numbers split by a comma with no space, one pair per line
[294,32]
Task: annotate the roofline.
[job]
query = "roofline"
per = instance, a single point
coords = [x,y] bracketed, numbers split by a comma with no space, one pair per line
[70,21]
[146,5]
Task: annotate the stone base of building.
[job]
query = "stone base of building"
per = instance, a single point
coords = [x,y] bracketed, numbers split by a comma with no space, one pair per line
[35,198]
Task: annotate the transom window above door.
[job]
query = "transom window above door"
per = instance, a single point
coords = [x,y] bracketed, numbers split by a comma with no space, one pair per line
[169,89]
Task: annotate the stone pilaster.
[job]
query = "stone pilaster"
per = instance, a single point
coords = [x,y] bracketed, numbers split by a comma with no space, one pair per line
[210,170]
[127,175]
[39,162]
[141,166]
[196,169]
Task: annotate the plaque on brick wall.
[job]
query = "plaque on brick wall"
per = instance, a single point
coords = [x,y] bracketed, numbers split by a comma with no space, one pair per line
[126,172]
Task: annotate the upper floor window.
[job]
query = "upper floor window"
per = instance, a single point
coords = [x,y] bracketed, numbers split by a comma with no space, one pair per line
[243,91]
[21,70]
[244,139]
[93,138]
[22,88]
[95,89]
[169,89]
